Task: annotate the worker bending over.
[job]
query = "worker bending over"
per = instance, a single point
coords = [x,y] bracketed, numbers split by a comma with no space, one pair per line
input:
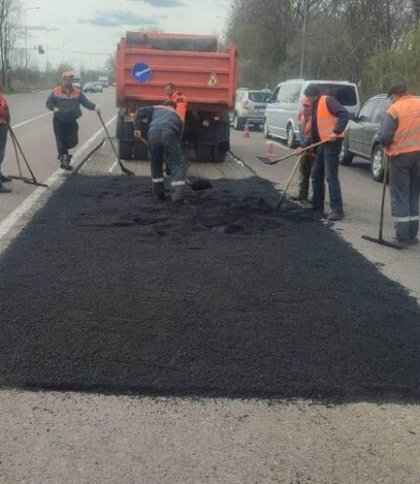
[164,129]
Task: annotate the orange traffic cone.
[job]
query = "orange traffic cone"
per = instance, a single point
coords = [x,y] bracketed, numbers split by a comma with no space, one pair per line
[270,150]
[246,131]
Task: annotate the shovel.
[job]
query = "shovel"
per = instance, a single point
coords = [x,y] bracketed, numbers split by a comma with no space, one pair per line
[123,168]
[268,161]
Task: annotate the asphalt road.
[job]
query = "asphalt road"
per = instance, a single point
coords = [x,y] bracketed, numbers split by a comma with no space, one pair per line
[32,124]
[274,351]
[362,199]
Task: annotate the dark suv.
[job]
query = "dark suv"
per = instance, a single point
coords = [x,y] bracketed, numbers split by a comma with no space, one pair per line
[361,135]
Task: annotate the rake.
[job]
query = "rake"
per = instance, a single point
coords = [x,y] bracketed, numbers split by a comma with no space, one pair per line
[18,149]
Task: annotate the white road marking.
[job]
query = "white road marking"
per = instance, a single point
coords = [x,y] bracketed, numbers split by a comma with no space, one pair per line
[31,120]
[14,223]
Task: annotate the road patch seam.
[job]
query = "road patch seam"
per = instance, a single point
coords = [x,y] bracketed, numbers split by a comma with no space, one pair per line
[17,220]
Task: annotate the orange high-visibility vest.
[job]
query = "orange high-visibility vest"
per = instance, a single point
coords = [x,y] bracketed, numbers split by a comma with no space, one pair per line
[407,136]
[4,110]
[326,121]
[181,103]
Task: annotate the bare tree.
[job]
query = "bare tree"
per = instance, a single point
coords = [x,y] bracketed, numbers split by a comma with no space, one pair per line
[10,11]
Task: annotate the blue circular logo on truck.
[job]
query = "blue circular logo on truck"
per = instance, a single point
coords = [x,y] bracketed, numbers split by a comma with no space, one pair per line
[141,72]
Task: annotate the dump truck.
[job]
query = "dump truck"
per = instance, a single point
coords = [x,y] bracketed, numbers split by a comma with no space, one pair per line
[146,62]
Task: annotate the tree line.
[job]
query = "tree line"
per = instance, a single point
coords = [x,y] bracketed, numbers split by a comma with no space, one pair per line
[19,68]
[370,42]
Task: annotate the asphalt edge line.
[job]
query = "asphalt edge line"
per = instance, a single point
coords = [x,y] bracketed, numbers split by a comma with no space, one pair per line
[17,220]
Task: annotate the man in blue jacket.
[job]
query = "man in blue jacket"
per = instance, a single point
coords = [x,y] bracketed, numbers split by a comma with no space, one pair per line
[164,128]
[65,101]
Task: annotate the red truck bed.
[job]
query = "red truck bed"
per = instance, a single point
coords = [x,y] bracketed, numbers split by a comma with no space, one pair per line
[146,62]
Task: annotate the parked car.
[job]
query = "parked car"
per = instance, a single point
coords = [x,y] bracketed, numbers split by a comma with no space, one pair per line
[92,87]
[281,114]
[250,107]
[361,135]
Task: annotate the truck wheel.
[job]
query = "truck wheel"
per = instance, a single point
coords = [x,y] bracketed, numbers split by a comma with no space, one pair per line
[140,151]
[125,139]
[125,150]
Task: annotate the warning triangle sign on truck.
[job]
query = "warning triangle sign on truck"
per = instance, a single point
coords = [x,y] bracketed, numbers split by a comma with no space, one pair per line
[213,80]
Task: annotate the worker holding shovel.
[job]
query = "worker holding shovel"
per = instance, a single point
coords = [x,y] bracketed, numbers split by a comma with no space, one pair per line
[307,159]
[164,129]
[329,119]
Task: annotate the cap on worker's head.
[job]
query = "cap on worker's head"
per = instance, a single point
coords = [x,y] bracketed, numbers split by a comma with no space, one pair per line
[398,89]
[312,91]
[67,74]
[306,101]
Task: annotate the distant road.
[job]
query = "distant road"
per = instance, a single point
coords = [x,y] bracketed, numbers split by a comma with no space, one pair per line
[33,127]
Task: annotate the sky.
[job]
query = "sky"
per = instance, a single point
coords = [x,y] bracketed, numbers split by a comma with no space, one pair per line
[85,32]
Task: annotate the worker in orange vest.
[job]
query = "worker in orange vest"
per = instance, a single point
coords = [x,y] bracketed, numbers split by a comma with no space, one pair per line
[177,96]
[400,135]
[329,119]
[4,126]
[307,159]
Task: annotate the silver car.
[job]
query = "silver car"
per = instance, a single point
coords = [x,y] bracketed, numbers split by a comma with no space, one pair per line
[281,115]
[250,107]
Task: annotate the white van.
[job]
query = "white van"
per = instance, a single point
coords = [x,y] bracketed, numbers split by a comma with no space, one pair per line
[281,114]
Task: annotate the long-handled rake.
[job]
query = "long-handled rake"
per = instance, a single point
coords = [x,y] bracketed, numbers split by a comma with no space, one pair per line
[123,168]
[266,160]
[18,149]
[380,239]
[289,181]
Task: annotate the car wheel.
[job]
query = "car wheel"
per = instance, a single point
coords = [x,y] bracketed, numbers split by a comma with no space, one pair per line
[291,138]
[237,122]
[377,167]
[266,130]
[345,157]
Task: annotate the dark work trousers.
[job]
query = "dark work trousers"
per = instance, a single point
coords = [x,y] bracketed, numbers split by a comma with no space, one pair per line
[3,140]
[164,144]
[305,169]
[326,166]
[66,135]
[404,182]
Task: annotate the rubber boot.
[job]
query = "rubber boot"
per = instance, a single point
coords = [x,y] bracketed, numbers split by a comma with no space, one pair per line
[159,190]
[66,162]
[178,193]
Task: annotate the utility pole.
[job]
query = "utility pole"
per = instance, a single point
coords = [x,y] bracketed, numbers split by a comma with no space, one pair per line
[26,43]
[305,23]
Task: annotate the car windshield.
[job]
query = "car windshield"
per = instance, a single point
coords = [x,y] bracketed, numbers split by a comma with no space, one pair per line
[345,95]
[258,96]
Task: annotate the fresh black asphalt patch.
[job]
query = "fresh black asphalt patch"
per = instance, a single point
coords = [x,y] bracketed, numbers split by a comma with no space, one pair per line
[107,290]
